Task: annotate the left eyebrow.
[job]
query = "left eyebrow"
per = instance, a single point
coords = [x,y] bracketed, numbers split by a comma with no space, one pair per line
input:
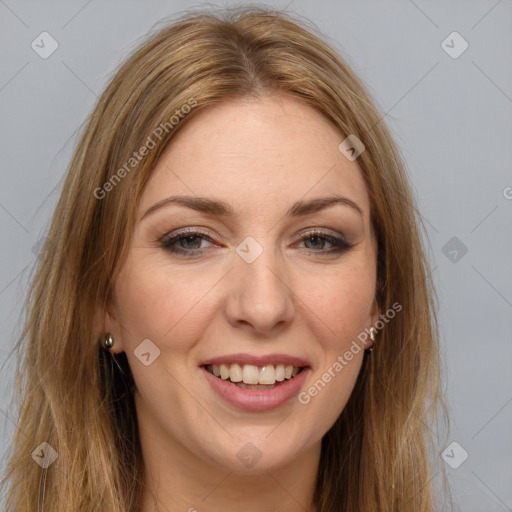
[221,208]
[315,205]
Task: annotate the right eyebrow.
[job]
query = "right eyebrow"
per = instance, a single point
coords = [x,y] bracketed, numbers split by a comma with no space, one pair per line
[200,204]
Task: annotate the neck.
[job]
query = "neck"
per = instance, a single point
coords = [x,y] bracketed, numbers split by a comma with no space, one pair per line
[221,490]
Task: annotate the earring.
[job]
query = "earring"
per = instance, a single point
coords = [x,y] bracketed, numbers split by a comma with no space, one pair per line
[372,337]
[109,343]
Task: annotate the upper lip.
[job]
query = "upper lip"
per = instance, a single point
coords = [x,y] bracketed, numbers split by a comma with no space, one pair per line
[257,360]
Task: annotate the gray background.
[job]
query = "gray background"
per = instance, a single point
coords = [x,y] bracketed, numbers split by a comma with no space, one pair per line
[451,117]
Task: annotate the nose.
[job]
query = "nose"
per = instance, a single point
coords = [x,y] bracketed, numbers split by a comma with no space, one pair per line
[259,298]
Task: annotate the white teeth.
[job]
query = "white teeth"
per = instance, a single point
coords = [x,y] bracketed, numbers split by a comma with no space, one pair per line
[252,374]
[235,373]
[224,372]
[280,372]
[267,375]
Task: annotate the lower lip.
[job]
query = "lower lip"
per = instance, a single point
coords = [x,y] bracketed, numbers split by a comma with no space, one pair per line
[256,400]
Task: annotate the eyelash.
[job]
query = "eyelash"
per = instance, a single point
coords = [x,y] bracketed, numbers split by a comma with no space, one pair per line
[340,245]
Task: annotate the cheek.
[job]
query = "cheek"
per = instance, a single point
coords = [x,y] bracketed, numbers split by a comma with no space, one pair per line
[336,314]
[338,307]
[159,304]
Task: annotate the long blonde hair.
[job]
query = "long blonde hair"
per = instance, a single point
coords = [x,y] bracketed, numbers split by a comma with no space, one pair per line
[78,399]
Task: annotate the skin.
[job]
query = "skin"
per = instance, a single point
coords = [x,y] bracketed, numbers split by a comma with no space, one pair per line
[260,156]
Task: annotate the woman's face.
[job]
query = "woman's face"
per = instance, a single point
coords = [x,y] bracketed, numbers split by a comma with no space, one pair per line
[249,265]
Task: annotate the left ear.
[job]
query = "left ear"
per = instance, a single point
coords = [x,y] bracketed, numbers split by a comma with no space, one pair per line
[375,312]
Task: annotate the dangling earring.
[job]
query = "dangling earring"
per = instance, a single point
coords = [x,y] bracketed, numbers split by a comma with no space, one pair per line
[109,343]
[372,337]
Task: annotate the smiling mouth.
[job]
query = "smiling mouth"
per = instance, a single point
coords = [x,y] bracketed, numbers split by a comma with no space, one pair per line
[249,376]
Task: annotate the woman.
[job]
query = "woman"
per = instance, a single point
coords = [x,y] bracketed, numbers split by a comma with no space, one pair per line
[238,232]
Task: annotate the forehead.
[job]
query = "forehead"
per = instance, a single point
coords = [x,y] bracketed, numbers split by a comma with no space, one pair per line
[251,152]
